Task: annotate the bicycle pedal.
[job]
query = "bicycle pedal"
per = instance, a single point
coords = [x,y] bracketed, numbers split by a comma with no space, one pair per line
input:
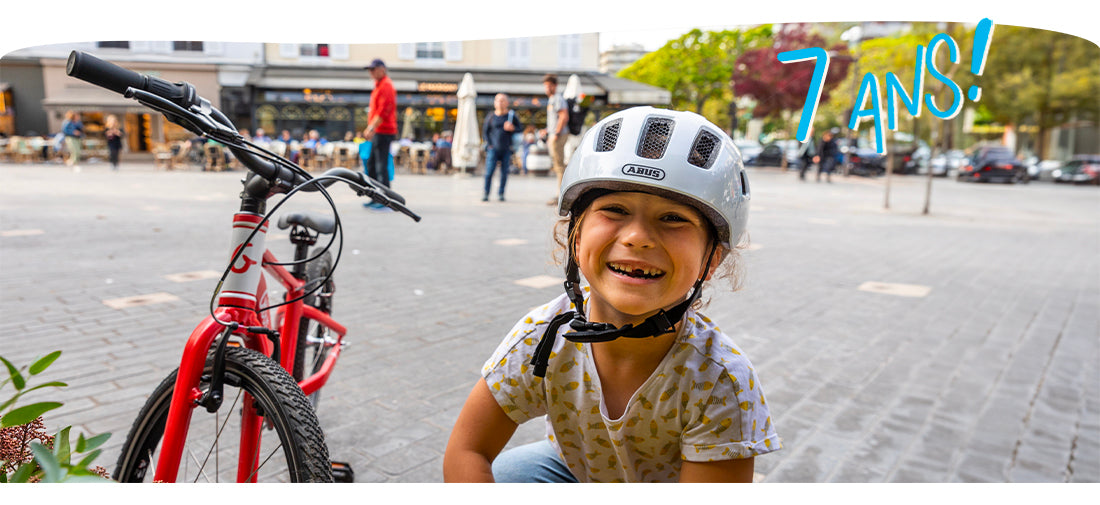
[342,472]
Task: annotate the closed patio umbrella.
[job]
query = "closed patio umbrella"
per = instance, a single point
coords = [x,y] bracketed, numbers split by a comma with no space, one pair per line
[572,87]
[467,137]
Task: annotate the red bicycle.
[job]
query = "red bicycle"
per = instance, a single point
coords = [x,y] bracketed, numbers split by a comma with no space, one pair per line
[238,408]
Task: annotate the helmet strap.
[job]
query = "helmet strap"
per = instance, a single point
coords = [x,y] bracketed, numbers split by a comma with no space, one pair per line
[583,331]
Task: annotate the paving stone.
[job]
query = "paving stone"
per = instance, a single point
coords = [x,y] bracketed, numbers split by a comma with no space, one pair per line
[996,362]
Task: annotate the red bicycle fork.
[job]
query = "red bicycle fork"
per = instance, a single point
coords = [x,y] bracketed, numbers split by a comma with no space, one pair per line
[240,306]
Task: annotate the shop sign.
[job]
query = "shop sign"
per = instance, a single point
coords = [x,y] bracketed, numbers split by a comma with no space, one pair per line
[437,87]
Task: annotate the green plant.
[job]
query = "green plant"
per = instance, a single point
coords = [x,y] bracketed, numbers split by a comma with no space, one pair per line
[28,454]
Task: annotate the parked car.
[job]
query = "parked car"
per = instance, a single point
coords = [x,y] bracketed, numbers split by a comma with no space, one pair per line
[944,164]
[1082,169]
[1047,168]
[863,158]
[749,149]
[993,163]
[910,154]
[772,154]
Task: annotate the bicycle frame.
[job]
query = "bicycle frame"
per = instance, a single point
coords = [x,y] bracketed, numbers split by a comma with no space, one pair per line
[244,292]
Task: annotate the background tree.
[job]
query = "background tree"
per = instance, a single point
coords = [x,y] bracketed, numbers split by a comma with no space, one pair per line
[780,88]
[1042,78]
[696,68]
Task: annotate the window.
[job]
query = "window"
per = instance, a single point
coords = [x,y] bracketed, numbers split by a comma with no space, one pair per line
[569,50]
[316,50]
[429,50]
[113,44]
[187,46]
[519,52]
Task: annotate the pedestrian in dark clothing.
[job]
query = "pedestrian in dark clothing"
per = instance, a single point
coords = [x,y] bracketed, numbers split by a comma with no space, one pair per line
[826,158]
[114,140]
[498,131]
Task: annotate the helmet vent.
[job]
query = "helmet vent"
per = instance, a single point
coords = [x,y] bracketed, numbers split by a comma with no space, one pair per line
[609,134]
[655,135]
[704,150]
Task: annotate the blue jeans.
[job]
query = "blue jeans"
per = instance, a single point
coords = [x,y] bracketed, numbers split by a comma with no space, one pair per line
[491,159]
[535,462]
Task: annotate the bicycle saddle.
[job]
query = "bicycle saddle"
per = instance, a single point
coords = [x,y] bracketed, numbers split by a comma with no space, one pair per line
[315,222]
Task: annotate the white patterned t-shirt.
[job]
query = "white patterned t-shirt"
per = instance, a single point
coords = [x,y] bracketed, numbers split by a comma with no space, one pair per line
[702,403]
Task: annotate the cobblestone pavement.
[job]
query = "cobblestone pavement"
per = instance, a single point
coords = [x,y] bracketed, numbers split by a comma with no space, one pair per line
[960,346]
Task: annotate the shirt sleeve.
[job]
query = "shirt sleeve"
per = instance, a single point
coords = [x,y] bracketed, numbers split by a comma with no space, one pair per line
[508,373]
[736,423]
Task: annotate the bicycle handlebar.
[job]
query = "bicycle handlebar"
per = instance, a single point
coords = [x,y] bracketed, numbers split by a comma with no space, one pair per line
[181,104]
[115,78]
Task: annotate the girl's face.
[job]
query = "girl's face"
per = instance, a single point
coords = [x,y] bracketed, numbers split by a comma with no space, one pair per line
[640,253]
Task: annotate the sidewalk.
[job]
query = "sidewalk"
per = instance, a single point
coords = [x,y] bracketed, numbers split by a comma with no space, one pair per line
[961,346]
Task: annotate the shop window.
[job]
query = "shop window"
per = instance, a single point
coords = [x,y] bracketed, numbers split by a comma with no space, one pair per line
[113,44]
[187,46]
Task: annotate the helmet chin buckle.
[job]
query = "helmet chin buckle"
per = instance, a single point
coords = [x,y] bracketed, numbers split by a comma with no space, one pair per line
[587,332]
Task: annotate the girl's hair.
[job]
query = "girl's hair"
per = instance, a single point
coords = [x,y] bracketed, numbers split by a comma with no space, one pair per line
[730,268]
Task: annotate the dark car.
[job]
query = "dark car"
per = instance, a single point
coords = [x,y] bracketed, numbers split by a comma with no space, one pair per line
[863,158]
[773,153]
[1082,169]
[991,163]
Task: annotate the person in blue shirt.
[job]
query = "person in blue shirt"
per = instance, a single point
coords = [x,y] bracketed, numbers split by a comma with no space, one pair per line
[497,131]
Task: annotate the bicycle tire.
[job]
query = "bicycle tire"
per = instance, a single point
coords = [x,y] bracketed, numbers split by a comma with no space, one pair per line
[285,410]
[310,354]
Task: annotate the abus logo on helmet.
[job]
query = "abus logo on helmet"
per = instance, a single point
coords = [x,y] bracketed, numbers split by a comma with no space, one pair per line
[647,172]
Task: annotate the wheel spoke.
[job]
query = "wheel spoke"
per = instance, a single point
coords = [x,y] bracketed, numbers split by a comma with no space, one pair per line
[218,434]
[264,462]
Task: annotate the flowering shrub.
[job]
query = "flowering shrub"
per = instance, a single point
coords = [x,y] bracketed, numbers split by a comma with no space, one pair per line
[27,452]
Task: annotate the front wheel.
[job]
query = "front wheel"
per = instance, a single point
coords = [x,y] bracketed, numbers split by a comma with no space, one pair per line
[291,446]
[314,340]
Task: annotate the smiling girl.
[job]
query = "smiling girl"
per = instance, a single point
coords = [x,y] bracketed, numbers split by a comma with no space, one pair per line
[635,385]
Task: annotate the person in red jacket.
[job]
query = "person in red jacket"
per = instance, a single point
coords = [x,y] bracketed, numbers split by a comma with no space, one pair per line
[381,122]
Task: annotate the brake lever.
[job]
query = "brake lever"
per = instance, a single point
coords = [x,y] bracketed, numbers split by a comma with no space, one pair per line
[200,124]
[380,197]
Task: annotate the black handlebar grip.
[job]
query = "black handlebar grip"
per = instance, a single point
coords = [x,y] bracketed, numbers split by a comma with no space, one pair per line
[86,67]
[107,75]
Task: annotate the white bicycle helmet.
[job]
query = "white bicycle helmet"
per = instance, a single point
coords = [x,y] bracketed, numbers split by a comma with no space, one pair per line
[678,155]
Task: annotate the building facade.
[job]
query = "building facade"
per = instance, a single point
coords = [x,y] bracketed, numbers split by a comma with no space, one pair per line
[41,92]
[303,87]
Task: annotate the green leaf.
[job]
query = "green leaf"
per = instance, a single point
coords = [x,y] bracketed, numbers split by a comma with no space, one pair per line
[95,441]
[3,478]
[80,443]
[46,460]
[87,461]
[44,363]
[61,448]
[26,414]
[16,377]
[23,474]
[53,384]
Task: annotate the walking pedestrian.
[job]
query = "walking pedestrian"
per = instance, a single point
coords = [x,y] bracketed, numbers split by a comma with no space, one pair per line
[826,158]
[556,132]
[639,387]
[498,131]
[381,122]
[114,139]
[73,129]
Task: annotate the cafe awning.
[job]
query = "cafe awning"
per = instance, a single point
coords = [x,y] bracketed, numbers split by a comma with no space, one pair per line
[616,91]
[90,100]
